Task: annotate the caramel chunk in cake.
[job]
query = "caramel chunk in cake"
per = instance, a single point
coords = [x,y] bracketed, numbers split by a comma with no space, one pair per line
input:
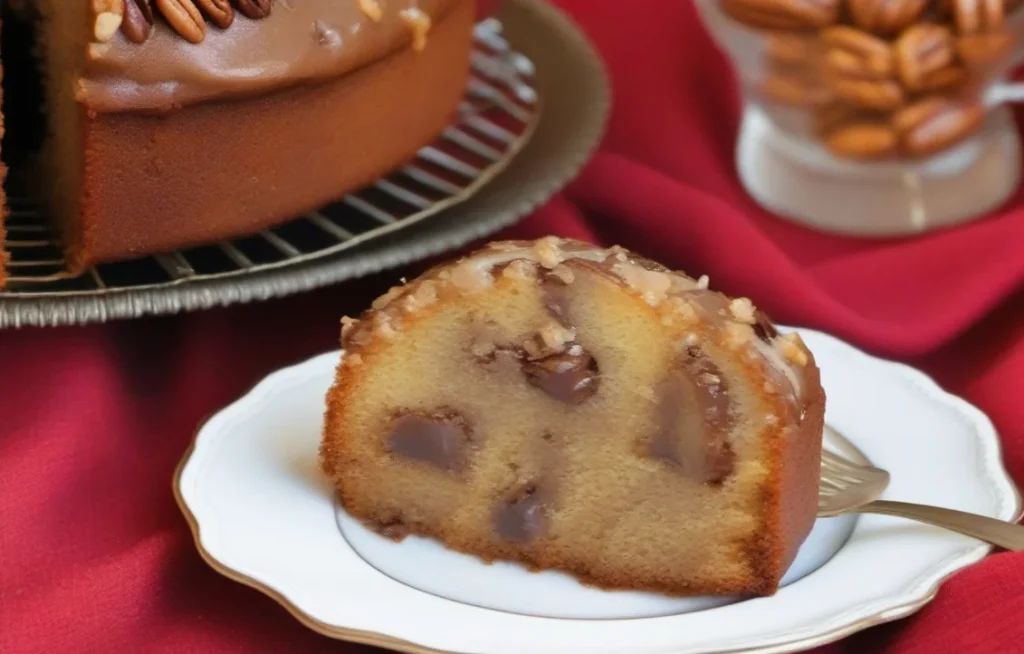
[584,410]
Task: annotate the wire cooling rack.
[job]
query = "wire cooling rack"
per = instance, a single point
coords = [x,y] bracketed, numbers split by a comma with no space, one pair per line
[496,118]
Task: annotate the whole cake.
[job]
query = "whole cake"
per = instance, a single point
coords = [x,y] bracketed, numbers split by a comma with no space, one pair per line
[583,410]
[171,123]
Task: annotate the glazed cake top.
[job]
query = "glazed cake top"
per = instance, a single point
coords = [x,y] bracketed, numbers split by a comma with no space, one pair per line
[157,55]
[743,327]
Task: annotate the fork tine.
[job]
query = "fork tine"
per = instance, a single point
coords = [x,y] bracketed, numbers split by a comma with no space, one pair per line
[844,484]
[834,460]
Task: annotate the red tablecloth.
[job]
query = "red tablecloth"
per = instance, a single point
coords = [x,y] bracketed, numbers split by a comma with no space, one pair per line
[95,557]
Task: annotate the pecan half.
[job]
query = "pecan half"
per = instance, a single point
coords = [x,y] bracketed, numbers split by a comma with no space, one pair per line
[921,51]
[783,14]
[184,17]
[219,12]
[980,50]
[855,53]
[934,124]
[863,140]
[790,49]
[972,16]
[886,16]
[943,80]
[107,16]
[138,20]
[794,89]
[255,9]
[879,95]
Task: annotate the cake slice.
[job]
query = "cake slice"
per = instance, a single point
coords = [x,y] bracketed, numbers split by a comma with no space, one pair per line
[583,410]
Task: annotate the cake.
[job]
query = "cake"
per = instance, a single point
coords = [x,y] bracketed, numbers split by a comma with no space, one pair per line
[583,410]
[172,123]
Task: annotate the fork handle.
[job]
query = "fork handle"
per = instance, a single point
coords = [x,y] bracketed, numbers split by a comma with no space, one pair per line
[996,532]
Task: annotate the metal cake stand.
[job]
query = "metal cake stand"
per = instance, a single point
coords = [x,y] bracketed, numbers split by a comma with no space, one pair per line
[535,108]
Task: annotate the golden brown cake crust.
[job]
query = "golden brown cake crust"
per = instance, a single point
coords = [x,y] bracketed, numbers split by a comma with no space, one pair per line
[778,507]
[224,169]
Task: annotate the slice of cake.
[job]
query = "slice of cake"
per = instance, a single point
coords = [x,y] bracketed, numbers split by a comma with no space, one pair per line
[583,410]
[177,123]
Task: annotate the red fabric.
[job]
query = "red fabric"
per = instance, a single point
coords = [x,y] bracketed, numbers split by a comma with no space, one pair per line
[94,556]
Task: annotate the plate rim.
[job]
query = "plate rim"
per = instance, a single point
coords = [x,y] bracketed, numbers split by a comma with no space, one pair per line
[911,601]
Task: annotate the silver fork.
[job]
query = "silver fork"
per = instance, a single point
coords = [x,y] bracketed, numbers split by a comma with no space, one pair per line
[848,487]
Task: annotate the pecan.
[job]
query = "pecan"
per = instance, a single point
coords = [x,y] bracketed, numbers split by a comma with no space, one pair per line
[972,16]
[219,12]
[184,17]
[138,20]
[784,14]
[886,16]
[854,53]
[794,90]
[790,49]
[880,95]
[979,50]
[863,140]
[833,116]
[922,50]
[934,124]
[859,69]
[107,16]
[255,9]
[944,80]
[914,114]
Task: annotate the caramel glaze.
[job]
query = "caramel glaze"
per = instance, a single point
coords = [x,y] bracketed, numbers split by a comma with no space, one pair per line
[300,42]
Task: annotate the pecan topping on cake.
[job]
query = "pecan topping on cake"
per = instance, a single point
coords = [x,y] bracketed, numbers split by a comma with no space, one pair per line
[184,17]
[255,8]
[219,12]
[136,18]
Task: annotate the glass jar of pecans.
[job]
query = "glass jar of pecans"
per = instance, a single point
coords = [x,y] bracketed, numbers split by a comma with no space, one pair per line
[874,117]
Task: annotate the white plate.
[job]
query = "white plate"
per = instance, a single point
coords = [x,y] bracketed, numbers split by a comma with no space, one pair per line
[263,515]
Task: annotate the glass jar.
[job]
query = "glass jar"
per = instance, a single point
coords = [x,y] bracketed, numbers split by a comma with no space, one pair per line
[874,118]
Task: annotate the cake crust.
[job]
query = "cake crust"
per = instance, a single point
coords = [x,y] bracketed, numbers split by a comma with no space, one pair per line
[768,495]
